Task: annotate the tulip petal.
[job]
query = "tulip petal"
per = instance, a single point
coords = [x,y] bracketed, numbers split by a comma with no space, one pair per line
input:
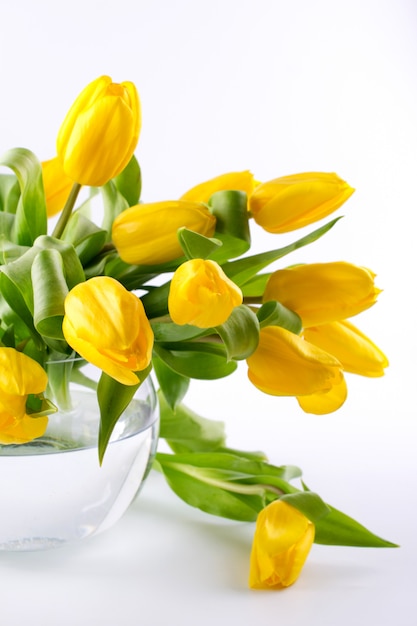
[286,365]
[322,403]
[232,181]
[357,353]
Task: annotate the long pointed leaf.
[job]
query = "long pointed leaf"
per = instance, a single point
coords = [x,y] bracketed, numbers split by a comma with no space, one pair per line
[244,269]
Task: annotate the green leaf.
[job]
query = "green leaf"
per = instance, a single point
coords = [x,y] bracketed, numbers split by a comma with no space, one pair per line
[173,386]
[85,236]
[113,204]
[186,431]
[169,332]
[9,251]
[211,498]
[199,360]
[338,529]
[232,224]
[224,484]
[16,285]
[240,333]
[255,287]
[113,399]
[73,270]
[31,217]
[274,313]
[196,246]
[243,270]
[50,290]
[9,193]
[129,182]
[309,503]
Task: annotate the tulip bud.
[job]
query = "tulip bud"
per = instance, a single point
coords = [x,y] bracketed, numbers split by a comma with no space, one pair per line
[100,132]
[233,181]
[282,541]
[19,376]
[290,202]
[323,292]
[146,234]
[356,352]
[284,364]
[56,184]
[107,325]
[202,295]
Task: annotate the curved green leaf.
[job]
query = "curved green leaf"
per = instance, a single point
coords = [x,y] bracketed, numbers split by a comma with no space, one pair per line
[31,217]
[232,224]
[9,193]
[196,360]
[49,290]
[274,313]
[87,238]
[73,270]
[196,246]
[240,333]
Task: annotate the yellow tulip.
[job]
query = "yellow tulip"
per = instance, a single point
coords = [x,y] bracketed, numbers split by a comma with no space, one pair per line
[357,353]
[202,295]
[281,544]
[324,402]
[107,326]
[100,132]
[290,202]
[56,184]
[323,292]
[284,364]
[19,376]
[236,181]
[146,234]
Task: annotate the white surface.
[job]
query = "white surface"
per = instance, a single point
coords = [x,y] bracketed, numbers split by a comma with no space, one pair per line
[278,87]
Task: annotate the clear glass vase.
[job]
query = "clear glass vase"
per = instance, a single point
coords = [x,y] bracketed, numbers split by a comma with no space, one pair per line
[53,489]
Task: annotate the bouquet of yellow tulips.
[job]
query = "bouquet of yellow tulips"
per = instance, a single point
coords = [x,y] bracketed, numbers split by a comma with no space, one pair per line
[171,287]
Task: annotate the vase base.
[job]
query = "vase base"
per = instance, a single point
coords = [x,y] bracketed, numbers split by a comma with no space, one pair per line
[31,544]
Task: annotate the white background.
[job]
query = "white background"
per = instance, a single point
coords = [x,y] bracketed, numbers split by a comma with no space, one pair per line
[277,87]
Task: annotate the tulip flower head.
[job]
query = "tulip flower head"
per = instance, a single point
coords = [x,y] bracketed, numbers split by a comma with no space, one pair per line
[284,364]
[106,324]
[100,132]
[233,181]
[323,292]
[282,541]
[146,234]
[290,202]
[19,376]
[357,353]
[56,184]
[202,295]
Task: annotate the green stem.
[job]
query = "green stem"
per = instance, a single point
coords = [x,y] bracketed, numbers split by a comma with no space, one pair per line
[67,210]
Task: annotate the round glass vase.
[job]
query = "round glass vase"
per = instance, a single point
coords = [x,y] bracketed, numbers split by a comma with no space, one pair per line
[53,489]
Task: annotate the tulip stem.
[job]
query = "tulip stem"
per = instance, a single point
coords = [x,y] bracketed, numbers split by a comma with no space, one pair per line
[67,210]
